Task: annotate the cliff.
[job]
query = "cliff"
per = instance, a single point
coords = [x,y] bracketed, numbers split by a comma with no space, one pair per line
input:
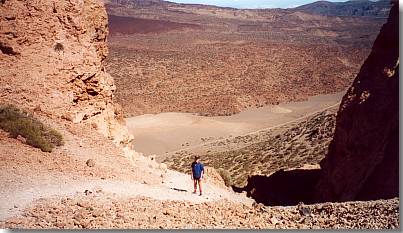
[363,158]
[52,62]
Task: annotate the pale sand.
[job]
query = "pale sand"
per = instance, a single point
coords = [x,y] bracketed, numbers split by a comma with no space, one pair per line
[167,132]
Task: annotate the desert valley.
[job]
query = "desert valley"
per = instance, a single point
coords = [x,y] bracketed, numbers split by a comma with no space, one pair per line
[104,105]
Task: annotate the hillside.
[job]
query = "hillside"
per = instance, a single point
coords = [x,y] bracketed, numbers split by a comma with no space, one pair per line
[52,61]
[349,8]
[362,159]
[54,83]
[212,61]
[291,146]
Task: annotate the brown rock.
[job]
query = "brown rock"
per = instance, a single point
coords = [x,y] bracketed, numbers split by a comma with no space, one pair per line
[84,204]
[90,163]
[21,139]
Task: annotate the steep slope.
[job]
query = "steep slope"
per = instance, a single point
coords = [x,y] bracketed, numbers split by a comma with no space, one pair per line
[297,145]
[350,8]
[45,45]
[52,61]
[363,158]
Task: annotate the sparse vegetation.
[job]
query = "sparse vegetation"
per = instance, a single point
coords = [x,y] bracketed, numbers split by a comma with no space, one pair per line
[179,68]
[226,176]
[19,123]
[297,144]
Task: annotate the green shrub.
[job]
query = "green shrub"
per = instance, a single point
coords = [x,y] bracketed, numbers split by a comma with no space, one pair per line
[16,122]
[226,176]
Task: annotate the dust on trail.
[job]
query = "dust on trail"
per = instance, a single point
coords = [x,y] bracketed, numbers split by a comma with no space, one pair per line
[173,186]
[176,186]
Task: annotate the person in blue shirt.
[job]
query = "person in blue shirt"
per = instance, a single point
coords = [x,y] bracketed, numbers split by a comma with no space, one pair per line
[197,174]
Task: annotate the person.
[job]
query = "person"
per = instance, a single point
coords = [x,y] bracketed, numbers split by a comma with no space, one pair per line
[197,174]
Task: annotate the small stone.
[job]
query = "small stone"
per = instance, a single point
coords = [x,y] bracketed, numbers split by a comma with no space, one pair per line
[74,117]
[60,225]
[87,192]
[90,163]
[97,213]
[274,220]
[167,212]
[83,204]
[21,139]
[98,190]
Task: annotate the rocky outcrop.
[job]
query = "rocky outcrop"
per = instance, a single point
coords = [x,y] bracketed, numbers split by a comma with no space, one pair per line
[52,61]
[363,158]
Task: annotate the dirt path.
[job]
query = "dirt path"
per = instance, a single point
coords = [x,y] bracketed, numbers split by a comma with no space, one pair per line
[176,186]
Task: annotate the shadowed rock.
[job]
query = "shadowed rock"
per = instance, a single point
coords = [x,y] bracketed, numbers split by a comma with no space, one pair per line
[363,158]
[283,187]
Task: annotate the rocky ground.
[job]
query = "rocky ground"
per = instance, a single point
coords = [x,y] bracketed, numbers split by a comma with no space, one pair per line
[29,175]
[287,147]
[102,210]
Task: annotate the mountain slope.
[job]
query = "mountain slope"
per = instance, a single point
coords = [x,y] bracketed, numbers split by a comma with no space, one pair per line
[350,8]
[219,61]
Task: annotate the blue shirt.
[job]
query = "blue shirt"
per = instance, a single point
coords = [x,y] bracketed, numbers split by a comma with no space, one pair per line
[197,169]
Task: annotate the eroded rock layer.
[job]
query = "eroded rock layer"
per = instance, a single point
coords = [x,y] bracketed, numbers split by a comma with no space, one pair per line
[52,61]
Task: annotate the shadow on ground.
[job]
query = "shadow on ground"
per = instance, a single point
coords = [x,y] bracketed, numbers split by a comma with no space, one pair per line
[283,188]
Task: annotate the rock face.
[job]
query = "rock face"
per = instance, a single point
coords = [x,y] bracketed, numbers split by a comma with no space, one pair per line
[363,158]
[52,56]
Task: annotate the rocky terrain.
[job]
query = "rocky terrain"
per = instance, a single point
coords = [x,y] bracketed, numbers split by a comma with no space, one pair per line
[296,145]
[168,57]
[52,61]
[52,57]
[349,8]
[100,210]
[62,60]
[363,158]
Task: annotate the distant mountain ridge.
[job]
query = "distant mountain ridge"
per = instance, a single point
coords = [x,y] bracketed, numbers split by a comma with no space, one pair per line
[366,8]
[350,8]
[160,3]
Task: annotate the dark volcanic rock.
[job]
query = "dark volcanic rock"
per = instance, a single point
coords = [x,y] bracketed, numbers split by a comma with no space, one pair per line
[363,158]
